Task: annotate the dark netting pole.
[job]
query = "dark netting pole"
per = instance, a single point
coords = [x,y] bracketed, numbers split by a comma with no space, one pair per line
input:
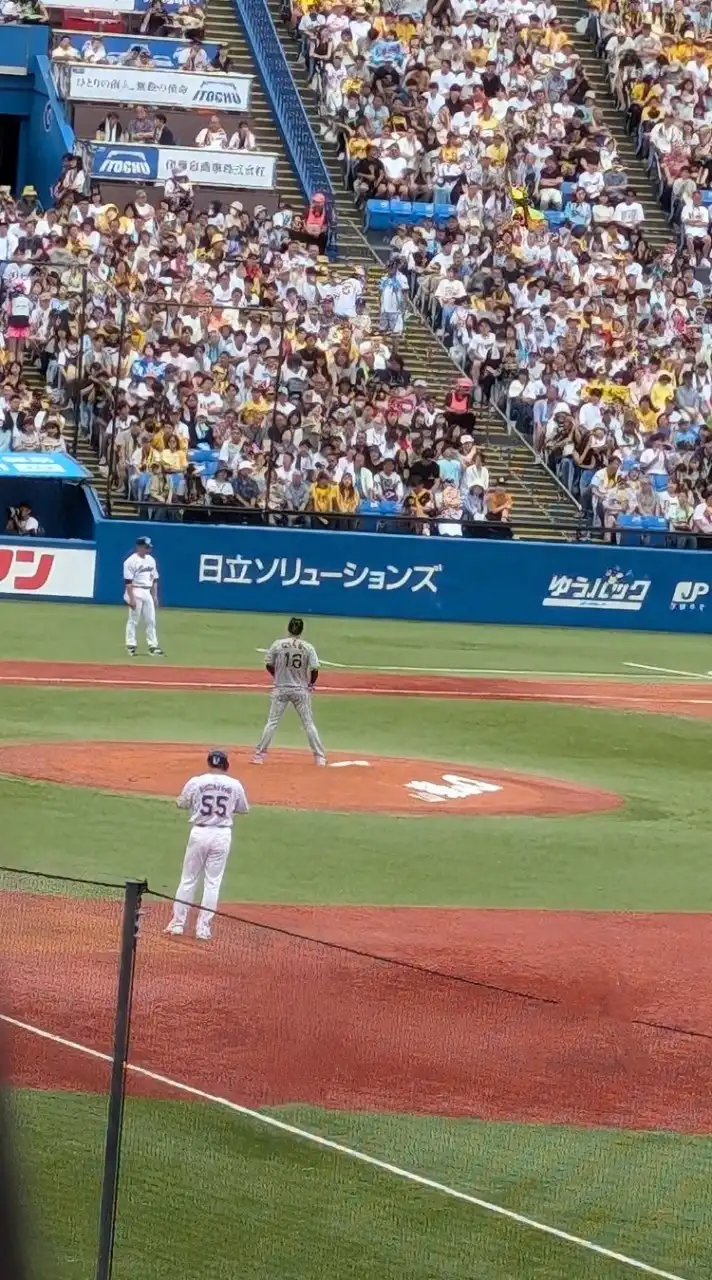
[117,388]
[80,358]
[133,893]
[273,424]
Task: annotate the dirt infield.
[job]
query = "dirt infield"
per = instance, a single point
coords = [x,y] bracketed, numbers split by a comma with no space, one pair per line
[370,784]
[614,695]
[267,1019]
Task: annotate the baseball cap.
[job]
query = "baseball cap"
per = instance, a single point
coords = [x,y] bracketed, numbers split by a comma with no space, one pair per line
[144,542]
[218,759]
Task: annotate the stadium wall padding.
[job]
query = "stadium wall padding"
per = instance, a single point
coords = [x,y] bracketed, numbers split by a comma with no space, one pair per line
[436,579]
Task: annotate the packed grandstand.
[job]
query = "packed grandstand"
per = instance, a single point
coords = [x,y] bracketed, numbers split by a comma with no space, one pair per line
[225,368]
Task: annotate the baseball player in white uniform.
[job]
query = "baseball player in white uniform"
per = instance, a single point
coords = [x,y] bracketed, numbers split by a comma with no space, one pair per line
[141,595]
[213,799]
[294,667]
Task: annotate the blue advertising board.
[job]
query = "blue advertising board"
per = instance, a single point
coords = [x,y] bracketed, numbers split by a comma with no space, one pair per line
[430,579]
[108,160]
[41,466]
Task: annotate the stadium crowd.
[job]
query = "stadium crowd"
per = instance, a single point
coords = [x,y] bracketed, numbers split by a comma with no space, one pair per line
[221,361]
[521,238]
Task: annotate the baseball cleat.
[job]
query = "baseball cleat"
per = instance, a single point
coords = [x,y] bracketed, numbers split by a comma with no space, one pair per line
[157,653]
[320,761]
[203,935]
[258,758]
[174,927]
[131,650]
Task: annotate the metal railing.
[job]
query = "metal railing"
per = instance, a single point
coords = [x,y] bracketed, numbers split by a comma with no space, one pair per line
[578,530]
[292,120]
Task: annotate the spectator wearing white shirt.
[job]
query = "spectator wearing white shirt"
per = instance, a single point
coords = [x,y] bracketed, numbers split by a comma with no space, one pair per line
[695,219]
[589,415]
[213,136]
[702,516]
[629,213]
[218,487]
[243,139]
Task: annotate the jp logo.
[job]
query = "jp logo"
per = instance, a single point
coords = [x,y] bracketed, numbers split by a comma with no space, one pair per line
[452,787]
[690,595]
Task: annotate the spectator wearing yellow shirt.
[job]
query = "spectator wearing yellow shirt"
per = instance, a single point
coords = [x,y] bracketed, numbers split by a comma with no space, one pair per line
[647,415]
[488,122]
[662,391]
[323,498]
[174,459]
[497,150]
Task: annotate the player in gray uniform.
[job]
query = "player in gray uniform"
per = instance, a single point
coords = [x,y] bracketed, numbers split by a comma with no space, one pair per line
[294,666]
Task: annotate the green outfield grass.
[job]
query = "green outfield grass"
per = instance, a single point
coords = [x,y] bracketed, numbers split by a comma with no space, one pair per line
[219,1195]
[88,633]
[214,1196]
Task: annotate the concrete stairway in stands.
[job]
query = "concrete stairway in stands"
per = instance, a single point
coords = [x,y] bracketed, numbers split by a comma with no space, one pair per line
[656,226]
[85,454]
[222,26]
[538,499]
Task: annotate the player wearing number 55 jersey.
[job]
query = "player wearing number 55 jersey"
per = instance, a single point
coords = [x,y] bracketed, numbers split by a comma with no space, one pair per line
[294,667]
[213,799]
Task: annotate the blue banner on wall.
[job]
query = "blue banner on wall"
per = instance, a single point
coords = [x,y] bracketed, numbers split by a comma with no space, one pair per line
[42,466]
[119,162]
[430,579]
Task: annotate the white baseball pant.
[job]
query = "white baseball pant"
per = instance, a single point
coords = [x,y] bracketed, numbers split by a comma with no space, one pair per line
[206,855]
[143,611]
[301,700]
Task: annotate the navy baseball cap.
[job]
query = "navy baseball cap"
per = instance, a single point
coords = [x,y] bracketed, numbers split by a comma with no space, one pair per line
[144,542]
[218,759]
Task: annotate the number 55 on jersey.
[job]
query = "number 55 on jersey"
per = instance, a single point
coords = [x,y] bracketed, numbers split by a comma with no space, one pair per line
[212,799]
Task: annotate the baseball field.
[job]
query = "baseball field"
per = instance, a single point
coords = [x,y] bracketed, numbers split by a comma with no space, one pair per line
[456,1020]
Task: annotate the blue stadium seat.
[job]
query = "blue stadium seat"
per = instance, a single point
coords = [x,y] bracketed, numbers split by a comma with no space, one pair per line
[401,211]
[444,212]
[567,190]
[206,461]
[421,211]
[554,218]
[634,530]
[707,197]
[378,215]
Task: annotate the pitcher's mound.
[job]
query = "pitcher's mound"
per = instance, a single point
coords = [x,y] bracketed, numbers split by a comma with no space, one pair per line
[353,784]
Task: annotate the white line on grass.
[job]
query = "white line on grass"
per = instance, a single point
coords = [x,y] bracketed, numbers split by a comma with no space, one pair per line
[669,671]
[496,671]
[597,699]
[272,1122]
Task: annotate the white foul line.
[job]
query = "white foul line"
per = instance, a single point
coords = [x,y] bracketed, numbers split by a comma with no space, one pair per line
[264,1118]
[621,702]
[494,671]
[669,671]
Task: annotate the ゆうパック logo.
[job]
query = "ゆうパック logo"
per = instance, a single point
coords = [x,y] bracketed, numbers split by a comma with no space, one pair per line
[612,590]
